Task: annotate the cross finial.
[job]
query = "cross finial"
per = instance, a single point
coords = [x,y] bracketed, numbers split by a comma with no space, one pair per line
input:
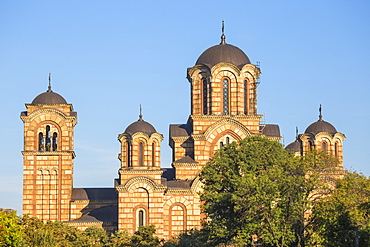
[49,87]
[223,37]
[140,116]
[320,111]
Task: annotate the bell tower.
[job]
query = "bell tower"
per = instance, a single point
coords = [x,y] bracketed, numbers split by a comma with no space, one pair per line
[48,155]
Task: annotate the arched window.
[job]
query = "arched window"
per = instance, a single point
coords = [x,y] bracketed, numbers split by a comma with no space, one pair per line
[55,141]
[48,140]
[323,146]
[310,146]
[227,140]
[205,97]
[153,154]
[245,97]
[128,154]
[221,144]
[141,154]
[141,218]
[225,95]
[41,142]
[336,150]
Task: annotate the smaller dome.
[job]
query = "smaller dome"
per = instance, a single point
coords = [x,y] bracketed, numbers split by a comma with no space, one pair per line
[294,146]
[321,126]
[140,126]
[49,98]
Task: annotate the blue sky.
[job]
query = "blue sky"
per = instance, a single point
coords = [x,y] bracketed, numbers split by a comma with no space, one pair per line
[108,57]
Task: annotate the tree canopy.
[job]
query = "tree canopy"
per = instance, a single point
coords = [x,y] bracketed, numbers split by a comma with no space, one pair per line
[348,207]
[255,190]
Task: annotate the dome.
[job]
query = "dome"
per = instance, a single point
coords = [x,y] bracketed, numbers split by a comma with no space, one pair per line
[223,53]
[294,146]
[320,126]
[49,98]
[140,126]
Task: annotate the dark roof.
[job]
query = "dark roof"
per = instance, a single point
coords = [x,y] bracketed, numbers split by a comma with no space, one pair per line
[49,98]
[168,174]
[186,159]
[321,126]
[179,130]
[271,130]
[223,53]
[294,146]
[99,194]
[140,126]
[103,214]
[183,184]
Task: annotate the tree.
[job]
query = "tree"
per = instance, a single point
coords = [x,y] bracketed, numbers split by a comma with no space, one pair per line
[144,237]
[348,207]
[95,236]
[10,229]
[257,190]
[120,239]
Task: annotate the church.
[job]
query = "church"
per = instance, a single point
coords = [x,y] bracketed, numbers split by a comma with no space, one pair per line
[223,92]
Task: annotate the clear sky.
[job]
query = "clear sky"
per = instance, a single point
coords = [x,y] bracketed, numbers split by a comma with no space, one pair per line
[108,57]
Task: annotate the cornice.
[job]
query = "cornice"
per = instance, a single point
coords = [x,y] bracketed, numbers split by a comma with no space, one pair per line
[187,165]
[51,153]
[95,201]
[180,138]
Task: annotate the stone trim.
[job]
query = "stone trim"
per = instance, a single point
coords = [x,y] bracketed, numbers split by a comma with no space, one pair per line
[145,171]
[178,191]
[51,153]
[219,117]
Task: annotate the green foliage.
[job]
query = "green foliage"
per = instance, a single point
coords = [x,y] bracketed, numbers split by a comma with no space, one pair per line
[191,238]
[256,187]
[348,207]
[95,236]
[10,229]
[144,237]
[120,239]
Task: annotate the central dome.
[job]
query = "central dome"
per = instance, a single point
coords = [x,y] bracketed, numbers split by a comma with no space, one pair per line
[223,53]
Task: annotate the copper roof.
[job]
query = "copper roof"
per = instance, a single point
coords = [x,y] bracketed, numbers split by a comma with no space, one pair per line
[321,126]
[294,146]
[49,98]
[223,53]
[271,130]
[140,126]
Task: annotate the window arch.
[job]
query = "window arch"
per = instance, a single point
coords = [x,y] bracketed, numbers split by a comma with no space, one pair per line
[48,140]
[205,97]
[245,97]
[153,154]
[141,216]
[128,154]
[141,154]
[324,146]
[41,142]
[55,141]
[336,149]
[225,95]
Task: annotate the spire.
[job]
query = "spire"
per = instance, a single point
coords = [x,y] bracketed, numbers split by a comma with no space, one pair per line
[223,37]
[296,132]
[49,87]
[140,116]
[320,111]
